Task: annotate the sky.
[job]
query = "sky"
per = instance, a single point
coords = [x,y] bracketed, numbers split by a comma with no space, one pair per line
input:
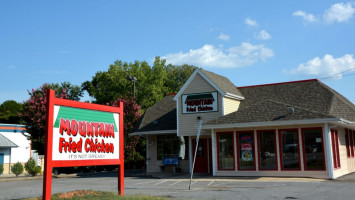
[249,42]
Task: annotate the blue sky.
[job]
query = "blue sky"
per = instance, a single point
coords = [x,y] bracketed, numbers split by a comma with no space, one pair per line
[250,42]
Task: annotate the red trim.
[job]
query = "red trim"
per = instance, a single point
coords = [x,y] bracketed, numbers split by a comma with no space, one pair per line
[352,137]
[335,149]
[219,167]
[49,163]
[171,94]
[259,163]
[238,150]
[304,149]
[270,84]
[347,142]
[281,149]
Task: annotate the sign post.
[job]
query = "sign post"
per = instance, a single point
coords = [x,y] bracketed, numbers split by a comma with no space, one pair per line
[82,134]
[197,139]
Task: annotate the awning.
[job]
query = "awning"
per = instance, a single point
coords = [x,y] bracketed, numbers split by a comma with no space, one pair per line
[4,142]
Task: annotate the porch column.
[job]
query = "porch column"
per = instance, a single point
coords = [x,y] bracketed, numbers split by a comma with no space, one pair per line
[328,148]
[213,146]
[190,154]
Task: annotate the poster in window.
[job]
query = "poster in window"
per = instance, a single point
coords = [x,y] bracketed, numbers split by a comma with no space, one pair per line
[246,150]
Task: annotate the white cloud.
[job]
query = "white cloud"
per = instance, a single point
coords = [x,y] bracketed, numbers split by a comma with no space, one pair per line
[210,56]
[224,37]
[326,66]
[263,35]
[307,17]
[251,22]
[339,12]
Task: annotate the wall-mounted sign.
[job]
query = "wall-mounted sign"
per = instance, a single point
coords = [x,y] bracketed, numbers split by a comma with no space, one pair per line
[202,102]
[82,134]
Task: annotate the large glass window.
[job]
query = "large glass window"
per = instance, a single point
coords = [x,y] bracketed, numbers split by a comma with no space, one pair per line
[246,160]
[225,151]
[171,146]
[267,150]
[313,149]
[289,149]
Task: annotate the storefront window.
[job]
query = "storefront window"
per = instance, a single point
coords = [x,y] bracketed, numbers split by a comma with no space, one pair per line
[225,151]
[313,149]
[289,148]
[171,146]
[267,150]
[246,151]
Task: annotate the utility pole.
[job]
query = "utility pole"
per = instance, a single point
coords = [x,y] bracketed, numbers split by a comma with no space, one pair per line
[134,80]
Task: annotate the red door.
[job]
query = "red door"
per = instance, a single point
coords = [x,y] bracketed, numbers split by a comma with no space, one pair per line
[201,163]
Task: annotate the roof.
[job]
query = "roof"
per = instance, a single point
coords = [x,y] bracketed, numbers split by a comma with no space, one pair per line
[161,116]
[222,84]
[4,142]
[307,94]
[310,99]
[268,110]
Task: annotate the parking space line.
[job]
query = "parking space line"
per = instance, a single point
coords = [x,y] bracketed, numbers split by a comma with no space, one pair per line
[160,182]
[194,182]
[210,183]
[175,183]
[144,182]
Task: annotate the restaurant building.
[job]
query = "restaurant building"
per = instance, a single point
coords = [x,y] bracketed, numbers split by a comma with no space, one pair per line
[294,129]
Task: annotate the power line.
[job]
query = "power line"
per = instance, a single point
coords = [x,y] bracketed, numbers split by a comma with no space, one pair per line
[332,76]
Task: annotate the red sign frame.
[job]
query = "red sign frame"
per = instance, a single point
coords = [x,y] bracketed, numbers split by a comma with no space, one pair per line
[49,163]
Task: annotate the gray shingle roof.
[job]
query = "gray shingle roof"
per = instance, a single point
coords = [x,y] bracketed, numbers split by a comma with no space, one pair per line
[222,82]
[4,142]
[160,116]
[266,111]
[308,94]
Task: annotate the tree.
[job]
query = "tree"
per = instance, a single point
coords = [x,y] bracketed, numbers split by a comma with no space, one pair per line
[153,83]
[32,168]
[9,111]
[34,111]
[134,146]
[17,168]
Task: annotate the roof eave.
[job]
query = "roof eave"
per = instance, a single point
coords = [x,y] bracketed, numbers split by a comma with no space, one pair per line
[153,132]
[270,123]
[233,96]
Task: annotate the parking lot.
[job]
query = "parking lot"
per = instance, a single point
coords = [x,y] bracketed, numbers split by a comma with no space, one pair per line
[203,187]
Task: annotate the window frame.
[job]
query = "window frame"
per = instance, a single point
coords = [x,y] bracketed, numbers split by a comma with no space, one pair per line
[238,150]
[219,167]
[304,149]
[281,149]
[347,143]
[275,148]
[335,148]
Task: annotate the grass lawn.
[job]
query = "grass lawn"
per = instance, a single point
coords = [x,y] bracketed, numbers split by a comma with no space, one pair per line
[93,195]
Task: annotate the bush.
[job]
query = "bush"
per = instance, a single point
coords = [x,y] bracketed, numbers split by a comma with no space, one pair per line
[17,168]
[32,168]
[1,168]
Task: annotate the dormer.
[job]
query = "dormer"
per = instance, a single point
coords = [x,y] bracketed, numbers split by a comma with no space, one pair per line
[206,95]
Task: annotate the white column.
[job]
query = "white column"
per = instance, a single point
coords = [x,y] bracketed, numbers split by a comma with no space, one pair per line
[190,154]
[214,146]
[328,148]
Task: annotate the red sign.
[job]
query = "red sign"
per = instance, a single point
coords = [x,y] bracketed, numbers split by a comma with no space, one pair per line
[246,147]
[82,134]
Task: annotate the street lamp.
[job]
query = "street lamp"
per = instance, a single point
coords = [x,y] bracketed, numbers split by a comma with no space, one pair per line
[134,80]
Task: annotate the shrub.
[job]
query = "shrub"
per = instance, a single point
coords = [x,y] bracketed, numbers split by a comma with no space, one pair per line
[17,168]
[32,168]
[1,168]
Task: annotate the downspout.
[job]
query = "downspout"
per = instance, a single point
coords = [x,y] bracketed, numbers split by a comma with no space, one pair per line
[329,151]
[9,160]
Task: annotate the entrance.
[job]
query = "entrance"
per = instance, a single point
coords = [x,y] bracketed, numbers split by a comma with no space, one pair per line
[203,155]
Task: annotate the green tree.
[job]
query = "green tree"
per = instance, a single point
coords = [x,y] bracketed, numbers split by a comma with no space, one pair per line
[34,111]
[153,82]
[9,111]
[32,168]
[17,168]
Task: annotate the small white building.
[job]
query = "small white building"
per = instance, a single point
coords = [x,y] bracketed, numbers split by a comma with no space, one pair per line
[14,146]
